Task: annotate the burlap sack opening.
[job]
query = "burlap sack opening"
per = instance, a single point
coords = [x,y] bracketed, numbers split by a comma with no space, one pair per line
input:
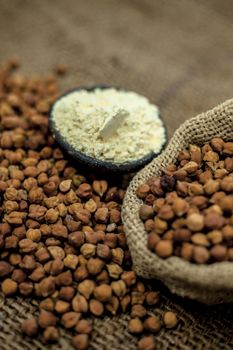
[210,284]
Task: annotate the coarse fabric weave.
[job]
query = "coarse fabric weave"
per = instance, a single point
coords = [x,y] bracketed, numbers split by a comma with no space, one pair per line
[206,283]
[178,53]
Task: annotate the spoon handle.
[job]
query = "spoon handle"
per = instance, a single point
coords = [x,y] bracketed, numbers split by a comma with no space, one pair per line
[112,123]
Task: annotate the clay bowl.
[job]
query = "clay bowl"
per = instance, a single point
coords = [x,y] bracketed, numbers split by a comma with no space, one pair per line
[91,163]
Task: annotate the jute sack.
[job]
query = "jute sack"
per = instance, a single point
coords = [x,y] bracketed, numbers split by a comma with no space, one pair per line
[210,284]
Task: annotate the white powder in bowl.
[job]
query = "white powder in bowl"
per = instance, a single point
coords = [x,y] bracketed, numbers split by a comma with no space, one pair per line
[109,124]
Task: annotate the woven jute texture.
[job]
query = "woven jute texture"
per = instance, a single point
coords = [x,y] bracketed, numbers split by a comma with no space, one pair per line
[199,328]
[206,283]
[179,54]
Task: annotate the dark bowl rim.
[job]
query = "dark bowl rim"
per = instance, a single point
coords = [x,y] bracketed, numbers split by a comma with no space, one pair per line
[92,162]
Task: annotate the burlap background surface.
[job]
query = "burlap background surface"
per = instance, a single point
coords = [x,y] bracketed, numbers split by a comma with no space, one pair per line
[179,53]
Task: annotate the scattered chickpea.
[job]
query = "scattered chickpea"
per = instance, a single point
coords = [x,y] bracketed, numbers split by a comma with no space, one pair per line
[96,307]
[170,319]
[146,343]
[83,327]
[152,324]
[30,327]
[46,319]
[70,319]
[135,326]
[103,293]
[51,334]
[9,287]
[80,341]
